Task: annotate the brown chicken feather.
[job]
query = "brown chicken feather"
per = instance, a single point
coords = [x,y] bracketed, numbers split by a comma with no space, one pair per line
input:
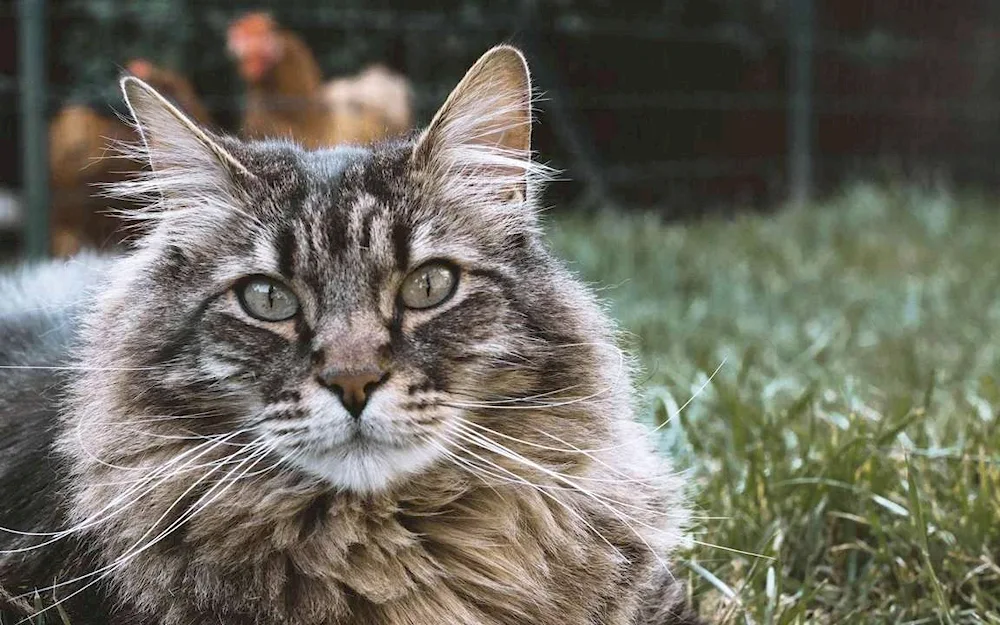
[287,97]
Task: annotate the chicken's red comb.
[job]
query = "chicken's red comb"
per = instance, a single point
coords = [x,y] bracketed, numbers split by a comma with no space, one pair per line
[252,25]
[140,68]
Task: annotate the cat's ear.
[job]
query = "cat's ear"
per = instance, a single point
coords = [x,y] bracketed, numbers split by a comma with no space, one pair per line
[482,133]
[173,143]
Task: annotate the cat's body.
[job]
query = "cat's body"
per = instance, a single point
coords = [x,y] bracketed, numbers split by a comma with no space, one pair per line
[40,308]
[340,387]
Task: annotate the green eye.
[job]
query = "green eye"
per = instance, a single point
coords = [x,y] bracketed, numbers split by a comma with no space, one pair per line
[266,299]
[429,285]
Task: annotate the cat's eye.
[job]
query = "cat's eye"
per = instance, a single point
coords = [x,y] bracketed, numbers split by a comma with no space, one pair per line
[267,299]
[429,285]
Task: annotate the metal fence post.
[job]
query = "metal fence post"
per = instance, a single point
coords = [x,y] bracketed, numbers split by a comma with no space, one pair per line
[801,26]
[34,143]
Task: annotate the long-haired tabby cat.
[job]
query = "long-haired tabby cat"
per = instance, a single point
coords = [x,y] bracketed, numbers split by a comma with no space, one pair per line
[347,386]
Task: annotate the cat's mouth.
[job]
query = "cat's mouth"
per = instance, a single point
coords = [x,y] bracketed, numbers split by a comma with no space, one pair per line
[366,438]
[365,463]
[364,452]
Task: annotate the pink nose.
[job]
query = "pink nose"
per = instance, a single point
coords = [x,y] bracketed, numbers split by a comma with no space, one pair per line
[353,388]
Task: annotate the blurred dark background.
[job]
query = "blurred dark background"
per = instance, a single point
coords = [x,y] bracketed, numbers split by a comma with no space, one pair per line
[682,106]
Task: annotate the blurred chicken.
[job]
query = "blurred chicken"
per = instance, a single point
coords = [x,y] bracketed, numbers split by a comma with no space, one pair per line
[377,97]
[79,160]
[82,158]
[287,97]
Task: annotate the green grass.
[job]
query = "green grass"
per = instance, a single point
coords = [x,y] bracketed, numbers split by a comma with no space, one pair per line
[851,435]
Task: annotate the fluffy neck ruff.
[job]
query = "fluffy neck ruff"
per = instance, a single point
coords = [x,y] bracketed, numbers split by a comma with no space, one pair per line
[278,547]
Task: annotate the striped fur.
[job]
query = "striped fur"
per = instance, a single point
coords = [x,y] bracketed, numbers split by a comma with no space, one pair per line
[495,477]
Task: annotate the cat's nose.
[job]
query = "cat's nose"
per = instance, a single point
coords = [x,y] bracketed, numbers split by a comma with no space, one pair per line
[352,387]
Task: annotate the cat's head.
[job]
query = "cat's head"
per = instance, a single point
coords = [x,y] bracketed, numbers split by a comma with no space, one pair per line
[360,313]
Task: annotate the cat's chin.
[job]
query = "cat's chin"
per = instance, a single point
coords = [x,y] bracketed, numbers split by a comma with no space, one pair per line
[368,468]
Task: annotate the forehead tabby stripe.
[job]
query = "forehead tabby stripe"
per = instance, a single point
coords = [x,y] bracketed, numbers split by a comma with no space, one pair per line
[286,253]
[365,238]
[401,244]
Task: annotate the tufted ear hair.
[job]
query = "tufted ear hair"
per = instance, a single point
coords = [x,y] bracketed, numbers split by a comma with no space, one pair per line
[170,138]
[192,178]
[480,139]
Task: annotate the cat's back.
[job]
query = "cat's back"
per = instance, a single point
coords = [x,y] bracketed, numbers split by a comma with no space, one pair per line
[39,309]
[40,306]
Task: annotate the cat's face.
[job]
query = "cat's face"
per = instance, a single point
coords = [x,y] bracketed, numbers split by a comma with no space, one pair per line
[352,319]
[354,311]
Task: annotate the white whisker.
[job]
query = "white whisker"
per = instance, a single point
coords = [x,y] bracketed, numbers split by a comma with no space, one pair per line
[571,450]
[96,517]
[490,445]
[137,548]
[514,405]
[518,479]
[648,432]
[76,368]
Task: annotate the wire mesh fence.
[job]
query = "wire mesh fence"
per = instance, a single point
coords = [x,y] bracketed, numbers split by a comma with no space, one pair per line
[683,106]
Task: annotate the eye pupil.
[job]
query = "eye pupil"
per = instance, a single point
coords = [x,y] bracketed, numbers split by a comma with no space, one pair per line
[429,285]
[266,299]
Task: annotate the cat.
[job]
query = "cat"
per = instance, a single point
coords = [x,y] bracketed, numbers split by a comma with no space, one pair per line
[343,386]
